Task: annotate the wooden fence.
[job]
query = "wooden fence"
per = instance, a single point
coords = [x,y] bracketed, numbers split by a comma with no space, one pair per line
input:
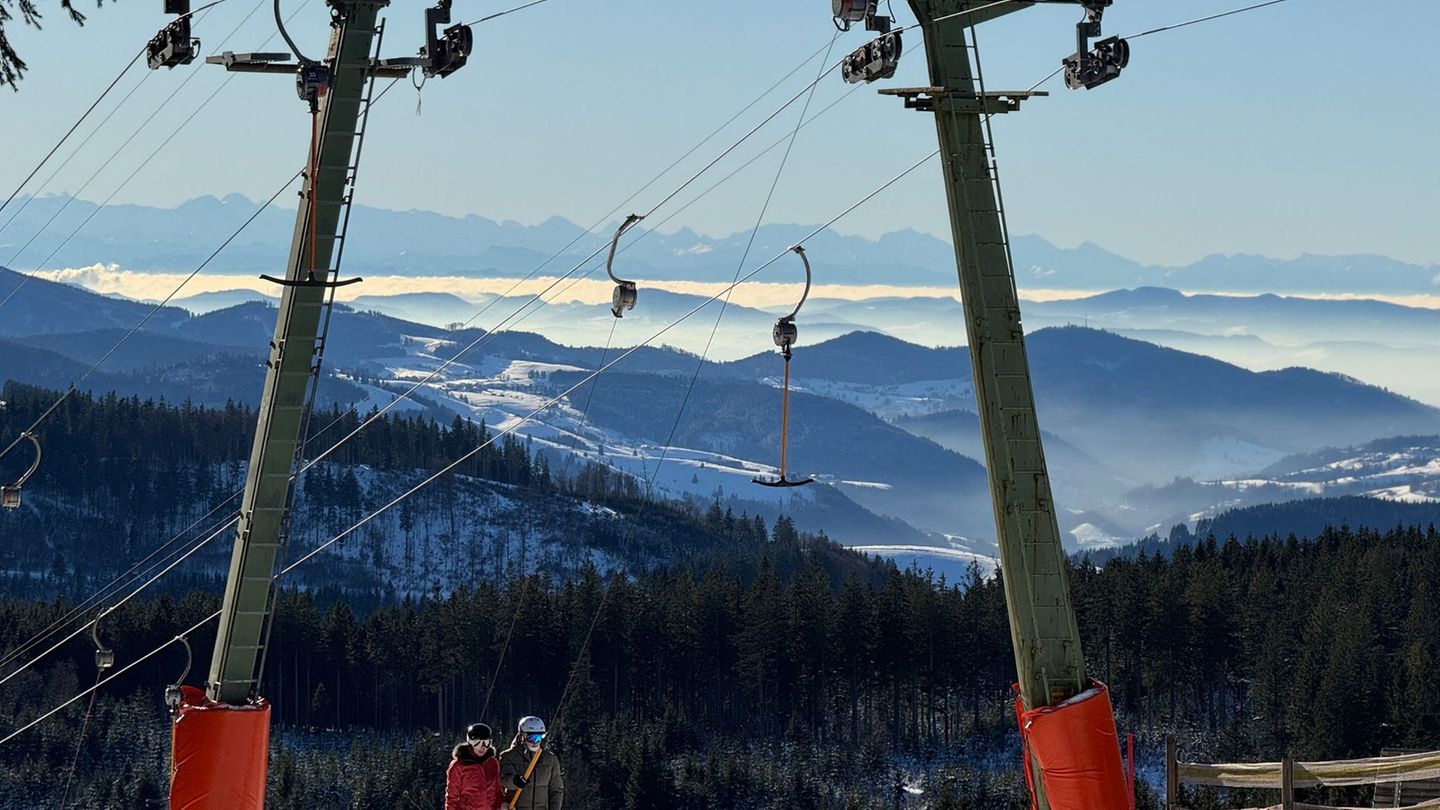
[1408,780]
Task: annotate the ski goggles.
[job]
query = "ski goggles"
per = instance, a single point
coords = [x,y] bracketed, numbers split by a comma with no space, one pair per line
[534,739]
[478,742]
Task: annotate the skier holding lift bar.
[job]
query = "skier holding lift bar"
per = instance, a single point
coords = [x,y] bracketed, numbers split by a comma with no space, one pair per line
[530,774]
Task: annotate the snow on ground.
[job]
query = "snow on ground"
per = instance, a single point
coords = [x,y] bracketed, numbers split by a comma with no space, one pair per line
[1090,536]
[380,397]
[505,393]
[953,563]
[892,401]
[1404,494]
[1226,456]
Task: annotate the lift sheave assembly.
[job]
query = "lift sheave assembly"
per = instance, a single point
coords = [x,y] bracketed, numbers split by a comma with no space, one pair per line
[876,59]
[173,45]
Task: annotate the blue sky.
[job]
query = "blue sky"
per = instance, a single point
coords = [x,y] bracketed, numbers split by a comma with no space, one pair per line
[1306,127]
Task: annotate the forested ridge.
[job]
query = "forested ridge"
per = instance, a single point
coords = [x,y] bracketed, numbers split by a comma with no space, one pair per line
[122,476]
[749,665]
[781,671]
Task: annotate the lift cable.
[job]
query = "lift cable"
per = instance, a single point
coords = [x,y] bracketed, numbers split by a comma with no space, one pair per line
[74,385]
[539,296]
[702,195]
[100,126]
[725,302]
[30,198]
[121,671]
[507,431]
[89,110]
[105,590]
[79,609]
[1199,20]
[596,373]
[143,126]
[553,284]
[131,595]
[71,131]
[520,7]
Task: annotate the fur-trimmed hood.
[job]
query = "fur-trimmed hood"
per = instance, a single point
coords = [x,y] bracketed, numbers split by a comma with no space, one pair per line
[466,754]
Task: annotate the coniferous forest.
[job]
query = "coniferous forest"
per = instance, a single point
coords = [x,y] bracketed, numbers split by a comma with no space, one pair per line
[754,666]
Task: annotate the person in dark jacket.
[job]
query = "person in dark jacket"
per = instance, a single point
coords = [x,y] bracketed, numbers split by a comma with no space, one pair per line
[544,788]
[472,782]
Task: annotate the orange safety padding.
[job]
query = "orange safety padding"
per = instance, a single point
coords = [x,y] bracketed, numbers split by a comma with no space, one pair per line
[1078,751]
[219,754]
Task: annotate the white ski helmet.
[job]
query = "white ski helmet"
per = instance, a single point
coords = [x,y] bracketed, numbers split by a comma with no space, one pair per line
[532,725]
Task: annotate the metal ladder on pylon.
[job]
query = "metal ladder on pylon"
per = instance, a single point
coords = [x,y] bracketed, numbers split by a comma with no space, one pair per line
[338,240]
[988,137]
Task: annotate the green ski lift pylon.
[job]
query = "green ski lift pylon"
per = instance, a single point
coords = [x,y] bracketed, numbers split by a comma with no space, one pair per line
[341,109]
[1044,631]
[785,334]
[625,293]
[10,493]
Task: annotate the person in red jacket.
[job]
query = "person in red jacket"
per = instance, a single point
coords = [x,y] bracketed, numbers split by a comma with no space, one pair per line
[472,782]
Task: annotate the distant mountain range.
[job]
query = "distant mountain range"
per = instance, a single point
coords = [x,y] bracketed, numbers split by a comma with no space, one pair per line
[887,426]
[422,243]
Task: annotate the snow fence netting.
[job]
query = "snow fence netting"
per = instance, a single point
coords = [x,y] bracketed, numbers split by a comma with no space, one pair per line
[1078,751]
[218,754]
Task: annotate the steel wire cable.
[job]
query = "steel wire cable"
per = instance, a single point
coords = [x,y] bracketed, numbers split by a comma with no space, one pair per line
[106,164]
[107,611]
[121,671]
[146,319]
[468,455]
[91,109]
[455,357]
[105,590]
[702,195]
[507,431]
[44,184]
[1199,20]
[744,256]
[594,374]
[554,283]
[497,14]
